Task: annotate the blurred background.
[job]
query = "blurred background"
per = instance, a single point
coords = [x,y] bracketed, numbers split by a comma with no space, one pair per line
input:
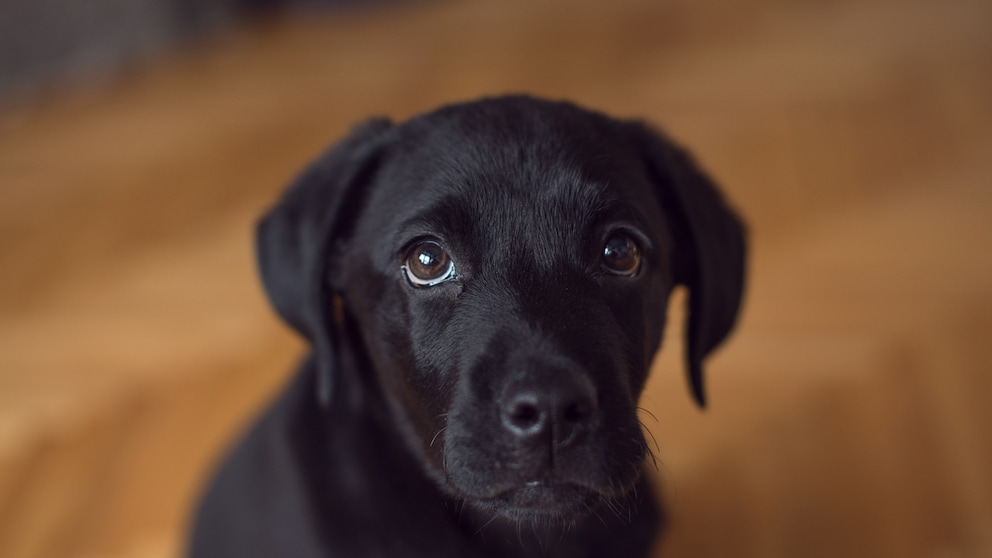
[139,140]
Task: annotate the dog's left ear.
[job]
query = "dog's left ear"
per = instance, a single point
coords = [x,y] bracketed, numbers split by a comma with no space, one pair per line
[709,253]
[294,240]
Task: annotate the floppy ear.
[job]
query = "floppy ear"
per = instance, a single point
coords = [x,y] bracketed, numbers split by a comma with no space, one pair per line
[709,253]
[295,238]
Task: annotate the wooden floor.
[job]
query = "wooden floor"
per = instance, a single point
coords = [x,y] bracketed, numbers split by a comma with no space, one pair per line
[849,416]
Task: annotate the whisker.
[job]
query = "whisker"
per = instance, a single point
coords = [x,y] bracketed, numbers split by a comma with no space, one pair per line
[654,459]
[649,413]
[443,428]
[595,511]
[651,434]
[654,440]
[486,524]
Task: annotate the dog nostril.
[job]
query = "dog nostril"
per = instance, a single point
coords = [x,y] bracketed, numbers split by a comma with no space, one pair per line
[524,415]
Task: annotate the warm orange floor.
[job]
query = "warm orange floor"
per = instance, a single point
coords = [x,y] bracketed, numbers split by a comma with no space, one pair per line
[849,416]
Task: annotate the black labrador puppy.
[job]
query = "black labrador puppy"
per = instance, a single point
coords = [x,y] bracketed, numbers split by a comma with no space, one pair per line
[483,288]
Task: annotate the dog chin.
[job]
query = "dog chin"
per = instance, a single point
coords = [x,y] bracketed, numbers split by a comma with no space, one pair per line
[544,503]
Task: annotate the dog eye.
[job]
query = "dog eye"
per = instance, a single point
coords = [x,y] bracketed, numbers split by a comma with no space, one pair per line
[427,264]
[621,255]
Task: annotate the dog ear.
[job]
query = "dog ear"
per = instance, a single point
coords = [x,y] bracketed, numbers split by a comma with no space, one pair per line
[295,238]
[709,253]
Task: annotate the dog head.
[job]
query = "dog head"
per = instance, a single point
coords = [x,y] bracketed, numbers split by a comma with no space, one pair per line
[502,268]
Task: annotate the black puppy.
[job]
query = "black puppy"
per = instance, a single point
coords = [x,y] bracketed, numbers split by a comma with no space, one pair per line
[484,288]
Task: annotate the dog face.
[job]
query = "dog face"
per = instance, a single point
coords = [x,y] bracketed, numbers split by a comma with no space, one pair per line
[502,270]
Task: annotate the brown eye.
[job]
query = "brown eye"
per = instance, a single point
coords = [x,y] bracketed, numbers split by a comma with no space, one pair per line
[621,256]
[427,264]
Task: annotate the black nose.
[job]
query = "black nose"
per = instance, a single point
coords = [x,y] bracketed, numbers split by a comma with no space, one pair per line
[560,407]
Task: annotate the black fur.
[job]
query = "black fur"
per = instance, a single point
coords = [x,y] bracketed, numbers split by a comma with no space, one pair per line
[493,414]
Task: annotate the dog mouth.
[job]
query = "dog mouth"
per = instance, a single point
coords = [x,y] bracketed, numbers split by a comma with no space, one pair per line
[543,501]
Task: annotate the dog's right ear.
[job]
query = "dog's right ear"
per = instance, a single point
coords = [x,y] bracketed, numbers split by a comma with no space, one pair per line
[295,238]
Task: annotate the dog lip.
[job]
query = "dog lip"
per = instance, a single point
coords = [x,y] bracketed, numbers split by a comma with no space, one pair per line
[546,486]
[551,482]
[533,485]
[546,498]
